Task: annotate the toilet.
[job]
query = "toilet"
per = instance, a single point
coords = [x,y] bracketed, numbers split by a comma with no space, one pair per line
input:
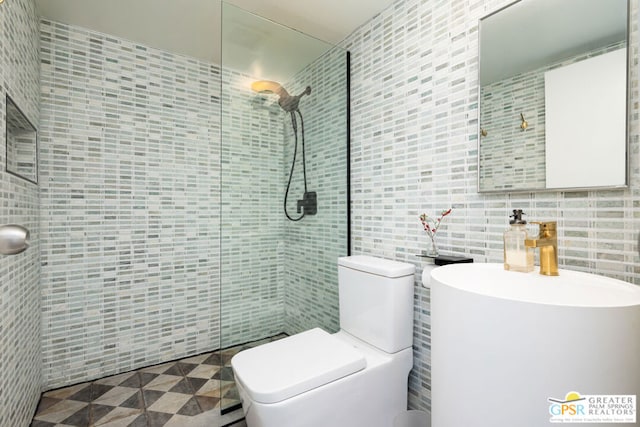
[356,377]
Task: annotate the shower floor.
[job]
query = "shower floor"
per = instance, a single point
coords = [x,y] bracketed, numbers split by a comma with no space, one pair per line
[172,394]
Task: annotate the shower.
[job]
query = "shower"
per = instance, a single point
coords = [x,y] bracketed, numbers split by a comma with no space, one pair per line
[308,205]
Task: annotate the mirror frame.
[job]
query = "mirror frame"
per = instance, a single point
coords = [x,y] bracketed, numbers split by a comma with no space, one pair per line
[627,121]
[9,99]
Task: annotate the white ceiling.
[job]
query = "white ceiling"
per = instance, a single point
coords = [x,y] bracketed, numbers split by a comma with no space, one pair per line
[255,46]
[264,50]
[192,27]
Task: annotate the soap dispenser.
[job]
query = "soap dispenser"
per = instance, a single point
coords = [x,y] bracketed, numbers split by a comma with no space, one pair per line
[517,257]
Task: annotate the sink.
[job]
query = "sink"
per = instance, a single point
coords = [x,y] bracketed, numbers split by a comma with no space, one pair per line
[570,288]
[504,343]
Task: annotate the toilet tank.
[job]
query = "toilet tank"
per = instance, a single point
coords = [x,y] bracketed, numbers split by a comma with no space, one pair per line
[376,301]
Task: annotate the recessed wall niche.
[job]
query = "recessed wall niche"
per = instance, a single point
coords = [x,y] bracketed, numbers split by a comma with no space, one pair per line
[22,144]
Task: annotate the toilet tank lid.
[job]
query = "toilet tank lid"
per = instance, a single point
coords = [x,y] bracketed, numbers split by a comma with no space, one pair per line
[282,369]
[379,266]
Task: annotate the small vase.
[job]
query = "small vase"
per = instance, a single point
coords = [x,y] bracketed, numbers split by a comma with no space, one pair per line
[432,248]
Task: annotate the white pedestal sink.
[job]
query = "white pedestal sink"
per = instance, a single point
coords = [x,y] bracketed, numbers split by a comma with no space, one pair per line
[504,342]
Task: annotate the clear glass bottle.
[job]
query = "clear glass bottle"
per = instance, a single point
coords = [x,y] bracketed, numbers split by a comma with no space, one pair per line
[517,257]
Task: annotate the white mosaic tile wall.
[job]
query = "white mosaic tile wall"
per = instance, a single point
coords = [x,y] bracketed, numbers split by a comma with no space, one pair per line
[130,205]
[414,123]
[279,275]
[505,166]
[313,245]
[252,218]
[20,319]
[131,162]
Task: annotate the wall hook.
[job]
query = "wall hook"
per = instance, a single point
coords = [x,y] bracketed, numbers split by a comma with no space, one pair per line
[524,123]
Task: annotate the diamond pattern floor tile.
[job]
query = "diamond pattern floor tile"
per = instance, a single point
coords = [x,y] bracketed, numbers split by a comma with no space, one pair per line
[64,393]
[116,396]
[170,403]
[118,416]
[119,379]
[163,382]
[61,411]
[167,394]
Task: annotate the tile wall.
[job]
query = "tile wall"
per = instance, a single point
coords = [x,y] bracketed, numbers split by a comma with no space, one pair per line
[130,184]
[252,219]
[414,119]
[146,213]
[414,149]
[312,245]
[20,365]
[279,275]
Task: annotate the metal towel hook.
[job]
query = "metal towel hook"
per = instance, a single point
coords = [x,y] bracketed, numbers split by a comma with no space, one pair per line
[13,239]
[524,125]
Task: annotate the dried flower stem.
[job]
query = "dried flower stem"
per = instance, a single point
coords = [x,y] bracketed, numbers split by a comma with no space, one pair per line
[431,225]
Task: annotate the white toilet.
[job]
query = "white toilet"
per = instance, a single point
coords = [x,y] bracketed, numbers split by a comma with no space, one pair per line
[356,377]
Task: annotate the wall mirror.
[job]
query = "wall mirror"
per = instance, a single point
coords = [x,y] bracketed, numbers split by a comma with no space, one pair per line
[553,96]
[22,144]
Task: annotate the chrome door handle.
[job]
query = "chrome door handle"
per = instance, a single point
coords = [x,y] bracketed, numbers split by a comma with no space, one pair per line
[13,239]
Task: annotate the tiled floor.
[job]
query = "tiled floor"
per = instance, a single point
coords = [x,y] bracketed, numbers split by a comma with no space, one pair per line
[171,394]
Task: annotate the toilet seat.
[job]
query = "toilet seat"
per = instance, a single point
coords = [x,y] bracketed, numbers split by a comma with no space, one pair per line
[282,369]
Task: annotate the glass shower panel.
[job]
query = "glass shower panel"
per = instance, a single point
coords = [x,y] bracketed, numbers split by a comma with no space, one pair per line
[284,139]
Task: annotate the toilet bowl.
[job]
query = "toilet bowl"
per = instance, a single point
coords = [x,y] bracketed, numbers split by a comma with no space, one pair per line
[355,377]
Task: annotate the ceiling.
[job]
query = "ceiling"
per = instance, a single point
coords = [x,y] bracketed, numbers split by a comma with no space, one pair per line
[265,50]
[193,27]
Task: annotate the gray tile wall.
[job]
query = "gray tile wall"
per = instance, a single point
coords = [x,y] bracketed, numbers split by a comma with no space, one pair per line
[312,245]
[146,213]
[279,275]
[414,124]
[20,319]
[252,218]
[130,182]
[414,121]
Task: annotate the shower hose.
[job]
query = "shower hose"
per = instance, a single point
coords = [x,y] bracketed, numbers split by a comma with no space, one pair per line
[294,126]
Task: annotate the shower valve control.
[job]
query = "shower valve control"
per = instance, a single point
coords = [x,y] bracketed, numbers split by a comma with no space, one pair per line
[309,203]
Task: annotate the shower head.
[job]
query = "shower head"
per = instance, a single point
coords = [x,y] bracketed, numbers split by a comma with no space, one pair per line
[266,86]
[288,102]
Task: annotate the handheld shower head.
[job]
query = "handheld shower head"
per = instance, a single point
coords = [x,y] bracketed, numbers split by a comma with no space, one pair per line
[289,103]
[266,86]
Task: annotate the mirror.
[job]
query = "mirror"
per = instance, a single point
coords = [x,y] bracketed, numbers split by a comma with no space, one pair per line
[553,96]
[22,144]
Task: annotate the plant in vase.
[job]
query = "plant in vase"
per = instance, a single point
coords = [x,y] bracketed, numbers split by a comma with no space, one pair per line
[431,226]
